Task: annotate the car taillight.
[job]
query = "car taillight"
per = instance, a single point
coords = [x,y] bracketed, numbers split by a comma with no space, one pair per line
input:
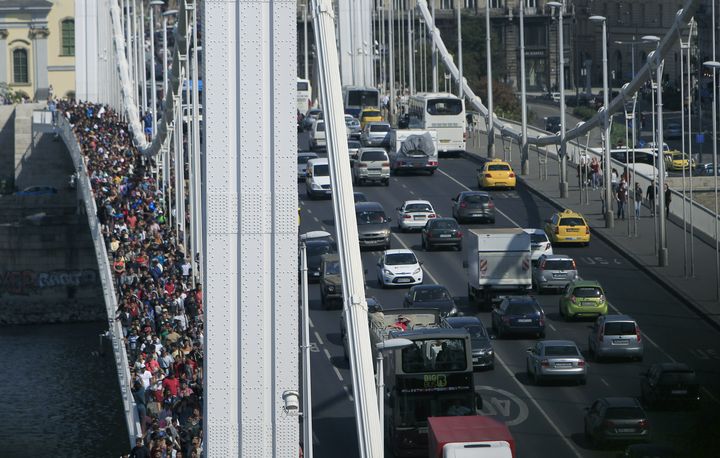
[431,215]
[407,216]
[574,266]
[362,164]
[572,298]
[608,424]
[386,164]
[432,163]
[401,162]
[587,230]
[637,332]
[463,204]
[541,321]
[488,175]
[459,234]
[465,136]
[557,230]
[491,205]
[542,265]
[581,363]
[545,363]
[643,424]
[512,175]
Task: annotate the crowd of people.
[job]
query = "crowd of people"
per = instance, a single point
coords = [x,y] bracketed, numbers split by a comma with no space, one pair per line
[159,308]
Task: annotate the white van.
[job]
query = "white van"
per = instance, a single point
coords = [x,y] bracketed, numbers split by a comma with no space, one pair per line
[317,178]
[372,164]
[317,135]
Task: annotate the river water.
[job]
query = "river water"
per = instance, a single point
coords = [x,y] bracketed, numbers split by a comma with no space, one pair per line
[58,398]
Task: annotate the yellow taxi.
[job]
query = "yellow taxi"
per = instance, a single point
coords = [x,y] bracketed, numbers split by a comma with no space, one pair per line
[496,173]
[568,227]
[675,160]
[369,115]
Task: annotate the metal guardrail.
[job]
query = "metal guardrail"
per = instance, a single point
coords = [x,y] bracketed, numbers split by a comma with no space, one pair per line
[115,333]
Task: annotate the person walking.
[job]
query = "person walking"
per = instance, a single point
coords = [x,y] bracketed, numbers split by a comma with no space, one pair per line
[668,198]
[638,199]
[650,193]
[595,167]
[614,180]
[621,197]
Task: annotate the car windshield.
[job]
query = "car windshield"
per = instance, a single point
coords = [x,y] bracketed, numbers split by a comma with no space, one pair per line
[442,224]
[496,167]
[370,114]
[370,217]
[379,128]
[476,198]
[431,294]
[572,221]
[587,291]
[321,170]
[624,413]
[304,159]
[399,259]
[444,107]
[374,156]
[477,332]
[619,328]
[676,377]
[559,264]
[433,355]
[410,208]
[332,268]
[561,350]
[318,249]
[353,145]
[359,197]
[520,308]
[320,126]
[538,238]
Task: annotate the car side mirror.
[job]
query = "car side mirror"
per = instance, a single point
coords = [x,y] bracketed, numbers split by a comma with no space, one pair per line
[387,220]
[453,199]
[420,262]
[492,336]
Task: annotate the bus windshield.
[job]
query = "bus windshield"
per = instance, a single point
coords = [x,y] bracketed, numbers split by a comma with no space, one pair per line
[303,85]
[362,98]
[444,107]
[431,355]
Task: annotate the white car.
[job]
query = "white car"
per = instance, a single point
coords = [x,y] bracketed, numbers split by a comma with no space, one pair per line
[414,214]
[539,243]
[399,268]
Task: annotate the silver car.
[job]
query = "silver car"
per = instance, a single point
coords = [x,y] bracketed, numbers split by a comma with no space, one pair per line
[554,271]
[559,359]
[615,336]
[302,159]
[376,134]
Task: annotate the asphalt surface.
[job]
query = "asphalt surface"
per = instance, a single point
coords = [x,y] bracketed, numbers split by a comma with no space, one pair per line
[544,420]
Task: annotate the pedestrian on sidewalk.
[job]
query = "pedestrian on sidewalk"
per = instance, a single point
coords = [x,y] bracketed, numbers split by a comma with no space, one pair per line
[621,197]
[650,193]
[614,180]
[638,199]
[595,167]
[668,198]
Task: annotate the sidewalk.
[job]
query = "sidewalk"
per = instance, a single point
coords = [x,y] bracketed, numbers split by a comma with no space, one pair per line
[697,292]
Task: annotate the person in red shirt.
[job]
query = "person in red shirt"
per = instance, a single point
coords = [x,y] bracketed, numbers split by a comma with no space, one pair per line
[152,363]
[172,384]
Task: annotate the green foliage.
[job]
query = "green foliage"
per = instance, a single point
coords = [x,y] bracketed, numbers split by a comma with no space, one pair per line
[9,94]
[617,134]
[505,103]
[584,112]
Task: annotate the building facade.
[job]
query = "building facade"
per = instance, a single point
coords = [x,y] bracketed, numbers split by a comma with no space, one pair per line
[37,47]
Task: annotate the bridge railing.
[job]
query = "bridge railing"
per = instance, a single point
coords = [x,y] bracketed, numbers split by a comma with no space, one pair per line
[115,332]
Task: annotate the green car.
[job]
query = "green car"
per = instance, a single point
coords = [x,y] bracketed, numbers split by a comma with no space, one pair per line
[583,298]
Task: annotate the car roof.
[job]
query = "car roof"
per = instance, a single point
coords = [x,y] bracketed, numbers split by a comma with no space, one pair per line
[556,257]
[318,242]
[618,318]
[535,231]
[307,153]
[497,161]
[463,321]
[585,283]
[475,193]
[524,299]
[378,123]
[558,343]
[318,161]
[365,206]
[417,202]
[446,218]
[417,287]
[670,367]
[621,401]
[398,251]
[569,212]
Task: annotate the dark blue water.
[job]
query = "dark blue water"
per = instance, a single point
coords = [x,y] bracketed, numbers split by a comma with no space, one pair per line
[58,399]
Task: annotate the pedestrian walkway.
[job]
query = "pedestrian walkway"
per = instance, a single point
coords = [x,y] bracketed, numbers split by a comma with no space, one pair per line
[698,291]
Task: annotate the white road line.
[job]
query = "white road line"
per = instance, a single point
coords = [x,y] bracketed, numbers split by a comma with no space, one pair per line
[552,327]
[425,270]
[327,353]
[468,189]
[412,193]
[309,211]
[349,393]
[318,338]
[337,372]
[316,219]
[603,380]
[322,226]
[315,438]
[712,396]
[310,322]
[403,185]
[567,441]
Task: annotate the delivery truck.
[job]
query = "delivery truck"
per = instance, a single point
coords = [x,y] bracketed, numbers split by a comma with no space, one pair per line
[499,262]
[475,436]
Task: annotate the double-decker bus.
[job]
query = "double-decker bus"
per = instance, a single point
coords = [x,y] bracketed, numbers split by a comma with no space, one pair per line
[304,95]
[355,98]
[442,112]
[431,378]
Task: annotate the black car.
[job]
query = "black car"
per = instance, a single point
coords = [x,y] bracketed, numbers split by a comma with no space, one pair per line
[616,420]
[482,350]
[518,315]
[431,297]
[441,232]
[314,251]
[359,197]
[552,124]
[670,383]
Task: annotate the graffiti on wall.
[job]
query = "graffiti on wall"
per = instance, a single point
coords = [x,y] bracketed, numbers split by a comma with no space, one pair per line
[24,282]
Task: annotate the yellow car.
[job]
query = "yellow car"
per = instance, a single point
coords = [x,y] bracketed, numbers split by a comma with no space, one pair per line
[369,115]
[675,160]
[568,227]
[496,174]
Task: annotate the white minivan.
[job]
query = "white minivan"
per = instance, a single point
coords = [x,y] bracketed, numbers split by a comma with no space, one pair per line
[372,164]
[317,135]
[317,178]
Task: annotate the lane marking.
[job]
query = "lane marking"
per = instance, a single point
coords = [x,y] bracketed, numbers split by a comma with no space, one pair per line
[309,211]
[603,380]
[318,338]
[551,326]
[349,394]
[310,322]
[322,226]
[316,219]
[337,372]
[712,396]
[468,189]
[403,185]
[327,353]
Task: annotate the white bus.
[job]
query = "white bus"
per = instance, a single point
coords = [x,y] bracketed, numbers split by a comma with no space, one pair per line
[442,112]
[304,95]
[355,98]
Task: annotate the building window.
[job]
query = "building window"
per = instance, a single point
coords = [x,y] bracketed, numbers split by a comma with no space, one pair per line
[67,47]
[496,4]
[530,4]
[471,4]
[20,66]
[447,4]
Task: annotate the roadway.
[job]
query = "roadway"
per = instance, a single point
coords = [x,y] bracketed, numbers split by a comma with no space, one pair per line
[542,419]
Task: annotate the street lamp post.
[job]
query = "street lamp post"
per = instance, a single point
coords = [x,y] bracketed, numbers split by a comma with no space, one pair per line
[385,346]
[461,90]
[391,58]
[490,119]
[714,65]
[434,51]
[609,221]
[524,156]
[561,64]
[662,243]
[153,94]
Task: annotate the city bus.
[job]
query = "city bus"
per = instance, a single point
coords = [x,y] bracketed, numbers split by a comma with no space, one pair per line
[304,95]
[431,378]
[443,113]
[355,98]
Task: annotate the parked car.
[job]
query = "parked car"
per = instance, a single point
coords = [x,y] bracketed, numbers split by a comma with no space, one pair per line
[555,359]
[615,335]
[37,191]
[373,225]
[616,420]
[302,158]
[554,271]
[376,134]
[399,268]
[518,315]
[414,214]
[473,205]
[317,178]
[372,164]
[483,353]
[539,244]
[670,384]
[431,297]
[583,298]
[441,232]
